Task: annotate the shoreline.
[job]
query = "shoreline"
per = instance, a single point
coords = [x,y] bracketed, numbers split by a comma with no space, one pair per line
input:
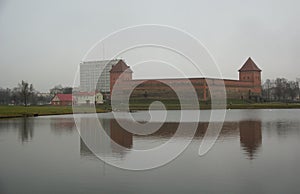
[35,111]
[41,115]
[7,112]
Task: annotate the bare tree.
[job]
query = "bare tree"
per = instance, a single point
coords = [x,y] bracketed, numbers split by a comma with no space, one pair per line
[59,89]
[5,95]
[280,88]
[25,90]
[293,89]
[267,89]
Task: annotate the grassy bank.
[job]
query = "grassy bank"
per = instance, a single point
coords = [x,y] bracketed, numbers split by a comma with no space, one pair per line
[143,104]
[20,111]
[265,106]
[228,106]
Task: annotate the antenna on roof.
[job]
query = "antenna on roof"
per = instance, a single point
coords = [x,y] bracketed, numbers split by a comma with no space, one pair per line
[103,51]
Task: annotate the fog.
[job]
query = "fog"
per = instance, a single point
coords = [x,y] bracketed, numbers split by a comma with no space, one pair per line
[43,42]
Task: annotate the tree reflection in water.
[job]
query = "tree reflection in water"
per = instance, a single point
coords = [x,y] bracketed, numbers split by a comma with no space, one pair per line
[26,129]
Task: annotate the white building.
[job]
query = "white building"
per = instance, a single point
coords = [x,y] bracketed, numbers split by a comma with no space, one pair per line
[91,78]
[82,98]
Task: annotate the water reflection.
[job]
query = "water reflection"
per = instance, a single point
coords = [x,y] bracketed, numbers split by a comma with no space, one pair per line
[250,137]
[23,126]
[93,140]
[120,135]
[26,129]
[249,133]
[26,126]
[62,125]
[257,152]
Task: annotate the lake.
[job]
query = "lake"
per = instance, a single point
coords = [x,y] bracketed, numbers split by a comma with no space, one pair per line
[257,151]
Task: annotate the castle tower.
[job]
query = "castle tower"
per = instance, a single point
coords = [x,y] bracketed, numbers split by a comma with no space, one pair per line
[118,69]
[249,72]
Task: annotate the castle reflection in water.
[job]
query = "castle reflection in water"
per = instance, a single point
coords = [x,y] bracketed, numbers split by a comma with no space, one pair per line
[119,141]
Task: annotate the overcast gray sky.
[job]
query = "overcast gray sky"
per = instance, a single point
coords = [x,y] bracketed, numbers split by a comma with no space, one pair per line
[44,41]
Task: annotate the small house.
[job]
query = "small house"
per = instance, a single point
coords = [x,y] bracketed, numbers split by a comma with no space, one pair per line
[62,100]
[86,98]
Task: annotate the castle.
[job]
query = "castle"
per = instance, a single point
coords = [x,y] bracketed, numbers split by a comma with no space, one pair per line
[248,86]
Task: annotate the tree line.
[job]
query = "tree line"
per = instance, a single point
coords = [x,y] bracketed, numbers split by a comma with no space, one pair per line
[281,89]
[25,94]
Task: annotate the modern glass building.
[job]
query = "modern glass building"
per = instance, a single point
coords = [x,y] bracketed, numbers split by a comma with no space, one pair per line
[94,75]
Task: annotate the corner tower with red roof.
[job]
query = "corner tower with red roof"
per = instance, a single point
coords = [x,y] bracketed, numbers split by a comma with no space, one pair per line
[117,70]
[249,72]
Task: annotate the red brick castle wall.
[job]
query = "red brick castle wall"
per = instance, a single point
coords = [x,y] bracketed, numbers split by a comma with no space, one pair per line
[248,85]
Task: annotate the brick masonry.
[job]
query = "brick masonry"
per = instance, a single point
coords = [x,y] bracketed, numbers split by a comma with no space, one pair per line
[248,86]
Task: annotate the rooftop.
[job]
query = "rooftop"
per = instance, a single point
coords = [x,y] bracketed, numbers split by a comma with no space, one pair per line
[120,67]
[65,97]
[249,65]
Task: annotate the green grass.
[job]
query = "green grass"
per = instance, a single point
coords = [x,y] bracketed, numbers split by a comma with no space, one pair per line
[264,106]
[142,104]
[19,111]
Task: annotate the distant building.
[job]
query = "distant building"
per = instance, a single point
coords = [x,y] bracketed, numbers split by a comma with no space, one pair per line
[62,100]
[40,94]
[91,78]
[87,98]
[117,70]
[247,87]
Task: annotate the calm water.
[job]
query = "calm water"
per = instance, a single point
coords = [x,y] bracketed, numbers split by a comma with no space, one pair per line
[258,151]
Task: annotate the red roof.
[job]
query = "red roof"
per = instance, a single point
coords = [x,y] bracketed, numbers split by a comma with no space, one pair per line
[249,66]
[85,93]
[120,67]
[65,97]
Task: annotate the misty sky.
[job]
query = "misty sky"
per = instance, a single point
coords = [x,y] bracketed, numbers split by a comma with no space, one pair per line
[44,41]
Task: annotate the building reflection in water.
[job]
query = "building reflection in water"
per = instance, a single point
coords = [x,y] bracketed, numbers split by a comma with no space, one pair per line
[250,137]
[120,135]
[60,126]
[92,141]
